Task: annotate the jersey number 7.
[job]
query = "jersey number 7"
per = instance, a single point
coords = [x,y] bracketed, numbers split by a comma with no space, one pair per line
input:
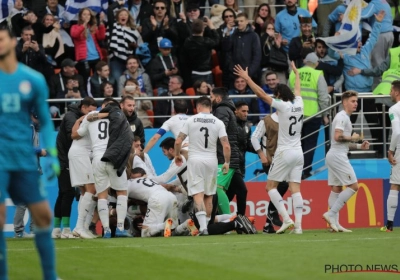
[205,136]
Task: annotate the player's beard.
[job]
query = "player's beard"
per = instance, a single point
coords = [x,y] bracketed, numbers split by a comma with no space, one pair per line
[4,55]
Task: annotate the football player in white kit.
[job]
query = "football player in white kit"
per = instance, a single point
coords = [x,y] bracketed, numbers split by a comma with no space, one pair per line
[173,124]
[204,131]
[162,206]
[104,172]
[81,173]
[394,157]
[340,171]
[287,164]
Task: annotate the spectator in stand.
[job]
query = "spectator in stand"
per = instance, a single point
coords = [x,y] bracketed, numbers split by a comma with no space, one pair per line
[244,45]
[202,3]
[158,25]
[17,9]
[300,46]
[166,107]
[51,40]
[124,27]
[201,88]
[131,87]
[240,88]
[139,10]
[176,7]
[325,7]
[269,85]
[224,58]
[101,75]
[232,4]
[30,52]
[58,81]
[198,50]
[20,20]
[273,56]
[107,89]
[162,67]
[86,36]
[71,89]
[287,22]
[261,18]
[134,71]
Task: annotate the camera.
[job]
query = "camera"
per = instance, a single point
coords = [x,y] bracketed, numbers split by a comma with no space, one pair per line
[33,38]
[205,19]
[75,89]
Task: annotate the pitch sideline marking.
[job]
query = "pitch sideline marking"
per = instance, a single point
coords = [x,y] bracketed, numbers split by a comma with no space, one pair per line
[202,244]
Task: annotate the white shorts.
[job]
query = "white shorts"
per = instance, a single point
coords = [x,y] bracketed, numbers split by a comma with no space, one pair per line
[287,165]
[202,176]
[395,171]
[340,171]
[80,171]
[161,206]
[105,176]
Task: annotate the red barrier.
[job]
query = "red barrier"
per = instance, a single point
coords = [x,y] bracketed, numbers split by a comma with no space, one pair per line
[365,209]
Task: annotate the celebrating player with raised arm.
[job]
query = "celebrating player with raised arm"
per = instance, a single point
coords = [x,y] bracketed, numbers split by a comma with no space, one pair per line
[287,164]
[21,90]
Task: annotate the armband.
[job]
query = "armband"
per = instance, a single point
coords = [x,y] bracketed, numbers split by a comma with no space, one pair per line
[93,117]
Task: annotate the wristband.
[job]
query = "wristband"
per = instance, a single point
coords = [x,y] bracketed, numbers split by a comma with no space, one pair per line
[358,146]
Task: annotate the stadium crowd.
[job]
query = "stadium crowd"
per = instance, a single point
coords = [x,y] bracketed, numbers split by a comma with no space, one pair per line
[137,48]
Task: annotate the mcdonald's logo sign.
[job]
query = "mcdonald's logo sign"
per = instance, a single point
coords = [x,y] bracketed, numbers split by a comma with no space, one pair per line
[351,205]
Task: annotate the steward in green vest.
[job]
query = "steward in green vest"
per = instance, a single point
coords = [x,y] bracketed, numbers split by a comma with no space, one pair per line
[390,75]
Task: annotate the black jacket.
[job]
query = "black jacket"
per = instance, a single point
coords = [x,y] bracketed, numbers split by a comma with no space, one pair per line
[198,51]
[36,60]
[163,108]
[136,126]
[245,48]
[58,82]
[297,52]
[120,140]
[64,140]
[244,143]
[156,70]
[95,84]
[225,111]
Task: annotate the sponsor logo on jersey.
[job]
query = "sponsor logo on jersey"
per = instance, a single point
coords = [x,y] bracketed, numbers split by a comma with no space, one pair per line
[25,87]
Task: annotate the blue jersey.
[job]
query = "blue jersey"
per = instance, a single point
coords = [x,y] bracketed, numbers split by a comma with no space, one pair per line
[20,92]
[289,26]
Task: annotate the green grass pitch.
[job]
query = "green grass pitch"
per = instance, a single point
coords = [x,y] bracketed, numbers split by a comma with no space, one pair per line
[230,257]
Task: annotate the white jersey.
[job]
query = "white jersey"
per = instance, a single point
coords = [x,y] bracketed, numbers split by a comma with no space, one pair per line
[82,146]
[147,165]
[342,122]
[99,135]
[143,188]
[172,171]
[290,116]
[204,131]
[394,115]
[174,124]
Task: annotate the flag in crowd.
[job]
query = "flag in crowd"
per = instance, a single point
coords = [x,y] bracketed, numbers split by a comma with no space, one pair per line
[72,7]
[349,31]
[6,6]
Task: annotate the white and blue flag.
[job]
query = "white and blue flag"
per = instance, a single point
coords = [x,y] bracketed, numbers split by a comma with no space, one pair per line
[6,7]
[72,7]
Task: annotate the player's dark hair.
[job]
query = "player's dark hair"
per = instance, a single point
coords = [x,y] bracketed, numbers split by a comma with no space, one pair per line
[180,106]
[204,101]
[107,100]
[239,104]
[5,27]
[168,143]
[88,101]
[396,85]
[284,93]
[127,97]
[138,170]
[220,91]
[350,93]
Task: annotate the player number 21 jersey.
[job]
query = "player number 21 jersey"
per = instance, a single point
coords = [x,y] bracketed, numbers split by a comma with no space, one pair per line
[290,115]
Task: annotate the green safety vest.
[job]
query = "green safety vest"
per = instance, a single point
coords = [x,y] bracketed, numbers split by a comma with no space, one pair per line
[309,88]
[303,4]
[390,75]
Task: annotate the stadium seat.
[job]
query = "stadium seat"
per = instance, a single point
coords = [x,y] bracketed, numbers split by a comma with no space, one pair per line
[104,54]
[57,70]
[190,91]
[215,59]
[217,73]
[150,113]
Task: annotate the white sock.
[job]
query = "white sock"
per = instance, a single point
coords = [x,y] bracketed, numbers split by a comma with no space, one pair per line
[277,200]
[89,216]
[102,207]
[343,197]
[222,218]
[208,219]
[83,209]
[331,200]
[392,201]
[298,208]
[181,228]
[122,207]
[201,217]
